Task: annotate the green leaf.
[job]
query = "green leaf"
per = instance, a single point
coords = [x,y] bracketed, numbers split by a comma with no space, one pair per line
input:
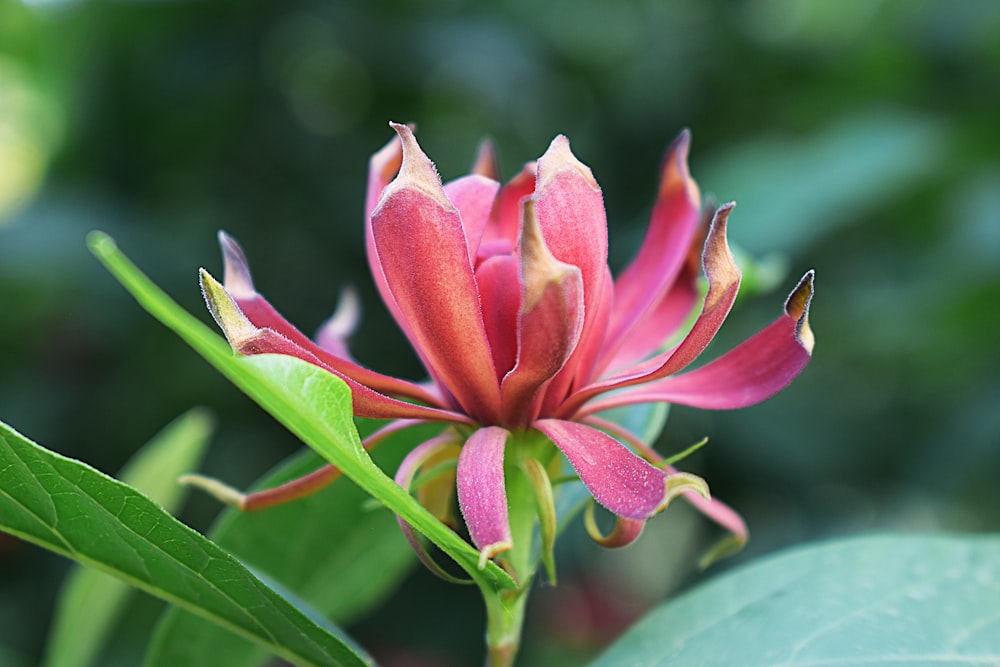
[327,548]
[905,600]
[310,402]
[78,512]
[91,601]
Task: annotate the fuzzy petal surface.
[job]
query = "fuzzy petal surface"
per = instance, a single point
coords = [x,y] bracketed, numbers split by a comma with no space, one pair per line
[482,494]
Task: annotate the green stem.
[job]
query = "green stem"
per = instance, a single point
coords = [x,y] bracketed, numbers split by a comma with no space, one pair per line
[505,608]
[504,623]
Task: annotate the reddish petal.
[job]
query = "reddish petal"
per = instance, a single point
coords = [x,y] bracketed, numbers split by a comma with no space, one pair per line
[620,480]
[672,228]
[482,494]
[262,314]
[473,196]
[504,226]
[549,324]
[625,532]
[248,339]
[498,278]
[423,253]
[571,215]
[485,163]
[754,371]
[723,284]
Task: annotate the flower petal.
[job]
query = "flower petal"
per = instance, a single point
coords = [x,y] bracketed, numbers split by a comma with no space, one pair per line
[723,285]
[625,532]
[753,371]
[473,196]
[620,480]
[246,338]
[498,277]
[424,256]
[482,494]
[570,211]
[500,235]
[262,314]
[549,324]
[672,228]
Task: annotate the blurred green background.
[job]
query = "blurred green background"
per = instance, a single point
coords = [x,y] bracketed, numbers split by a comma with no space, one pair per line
[859,138]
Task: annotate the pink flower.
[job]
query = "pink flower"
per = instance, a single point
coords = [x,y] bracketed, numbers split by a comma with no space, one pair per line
[506,296]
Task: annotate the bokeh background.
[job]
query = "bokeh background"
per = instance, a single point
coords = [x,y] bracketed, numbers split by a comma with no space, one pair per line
[859,138]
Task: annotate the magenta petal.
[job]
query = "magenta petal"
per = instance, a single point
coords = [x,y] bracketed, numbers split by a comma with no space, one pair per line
[673,226]
[482,495]
[619,479]
[753,371]
[423,254]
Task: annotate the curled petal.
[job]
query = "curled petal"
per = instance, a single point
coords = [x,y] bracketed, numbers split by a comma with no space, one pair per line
[549,324]
[751,372]
[445,445]
[482,494]
[248,339]
[723,285]
[620,480]
[424,257]
[672,228]
[262,314]
[625,532]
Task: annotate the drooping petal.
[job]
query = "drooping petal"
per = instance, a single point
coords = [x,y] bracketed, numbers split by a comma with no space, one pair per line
[445,445]
[570,211]
[620,480]
[239,284]
[723,285]
[473,196]
[625,532]
[673,226]
[504,226]
[753,371]
[482,494]
[498,278]
[549,324]
[424,256]
[248,339]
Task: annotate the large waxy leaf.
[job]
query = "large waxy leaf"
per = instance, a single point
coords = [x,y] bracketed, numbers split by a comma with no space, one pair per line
[76,511]
[901,600]
[329,548]
[91,601]
[312,403]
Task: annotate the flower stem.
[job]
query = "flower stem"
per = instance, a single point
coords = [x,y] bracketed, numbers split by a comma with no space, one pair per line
[505,609]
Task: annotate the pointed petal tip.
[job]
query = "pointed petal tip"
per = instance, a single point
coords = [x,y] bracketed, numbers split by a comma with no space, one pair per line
[237,328]
[416,171]
[797,306]
[236,270]
[676,175]
[560,157]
